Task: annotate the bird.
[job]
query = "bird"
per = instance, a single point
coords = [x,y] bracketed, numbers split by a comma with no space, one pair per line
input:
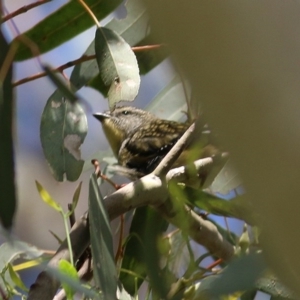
[140,140]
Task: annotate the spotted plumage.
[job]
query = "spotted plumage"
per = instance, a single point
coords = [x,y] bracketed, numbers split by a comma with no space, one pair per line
[139,139]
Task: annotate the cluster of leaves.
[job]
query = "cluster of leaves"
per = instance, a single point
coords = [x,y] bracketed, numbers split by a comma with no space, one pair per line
[148,255]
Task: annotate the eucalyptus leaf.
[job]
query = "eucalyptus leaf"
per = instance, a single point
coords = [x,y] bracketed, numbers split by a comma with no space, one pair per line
[10,251]
[170,103]
[63,24]
[134,254]
[117,65]
[240,275]
[105,274]
[63,130]
[133,29]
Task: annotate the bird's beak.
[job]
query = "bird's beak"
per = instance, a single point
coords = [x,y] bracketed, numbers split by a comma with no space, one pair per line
[101,116]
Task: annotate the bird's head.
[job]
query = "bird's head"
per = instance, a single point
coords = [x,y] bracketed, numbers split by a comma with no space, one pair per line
[119,123]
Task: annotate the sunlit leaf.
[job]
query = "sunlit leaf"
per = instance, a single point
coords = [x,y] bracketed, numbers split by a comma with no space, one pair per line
[227,180]
[47,198]
[68,269]
[16,278]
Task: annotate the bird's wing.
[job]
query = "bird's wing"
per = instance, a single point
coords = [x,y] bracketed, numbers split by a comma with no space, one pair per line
[145,147]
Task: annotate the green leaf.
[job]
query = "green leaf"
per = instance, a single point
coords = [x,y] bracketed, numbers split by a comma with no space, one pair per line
[271,285]
[47,198]
[134,254]
[7,184]
[68,269]
[117,65]
[75,284]
[16,278]
[64,24]
[76,197]
[133,29]
[239,275]
[65,90]
[10,251]
[237,208]
[170,103]
[63,130]
[105,274]
[227,180]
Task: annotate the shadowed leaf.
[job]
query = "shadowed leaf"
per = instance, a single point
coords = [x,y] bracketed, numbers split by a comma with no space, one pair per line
[7,185]
[105,274]
[63,130]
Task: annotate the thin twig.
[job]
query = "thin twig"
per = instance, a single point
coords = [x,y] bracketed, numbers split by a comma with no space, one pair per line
[167,162]
[23,9]
[90,12]
[75,62]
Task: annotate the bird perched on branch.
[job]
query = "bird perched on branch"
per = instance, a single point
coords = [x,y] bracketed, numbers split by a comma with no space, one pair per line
[139,140]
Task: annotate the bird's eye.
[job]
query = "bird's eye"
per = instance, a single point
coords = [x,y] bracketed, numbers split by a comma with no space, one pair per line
[125,112]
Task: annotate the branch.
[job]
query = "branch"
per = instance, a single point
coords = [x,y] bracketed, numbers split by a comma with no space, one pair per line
[149,190]
[23,9]
[75,62]
[167,162]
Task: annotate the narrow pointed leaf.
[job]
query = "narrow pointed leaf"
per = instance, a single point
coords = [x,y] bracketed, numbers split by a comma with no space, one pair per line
[117,65]
[63,130]
[134,255]
[105,274]
[76,196]
[237,208]
[47,198]
[64,24]
[68,269]
[7,184]
[16,278]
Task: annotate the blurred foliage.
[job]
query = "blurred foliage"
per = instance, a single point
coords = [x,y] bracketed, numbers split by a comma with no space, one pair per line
[154,252]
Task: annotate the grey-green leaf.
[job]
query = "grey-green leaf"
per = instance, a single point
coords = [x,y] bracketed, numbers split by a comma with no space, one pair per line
[133,29]
[105,274]
[63,130]
[117,66]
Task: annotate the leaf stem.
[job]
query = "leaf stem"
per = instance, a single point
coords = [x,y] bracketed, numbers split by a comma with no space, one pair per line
[89,11]
[75,62]
[65,217]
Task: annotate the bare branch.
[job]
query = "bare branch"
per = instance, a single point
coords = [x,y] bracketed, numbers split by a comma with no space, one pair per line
[167,162]
[149,190]
[75,62]
[23,9]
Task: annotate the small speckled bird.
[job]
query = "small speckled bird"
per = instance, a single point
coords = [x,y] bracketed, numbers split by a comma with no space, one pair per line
[139,140]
